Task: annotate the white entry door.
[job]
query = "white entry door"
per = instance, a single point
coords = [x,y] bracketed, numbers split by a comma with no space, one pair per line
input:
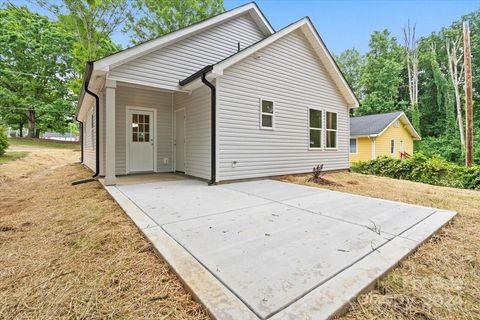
[180,140]
[141,140]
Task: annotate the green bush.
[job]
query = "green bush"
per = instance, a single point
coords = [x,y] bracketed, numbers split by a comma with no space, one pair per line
[3,141]
[420,168]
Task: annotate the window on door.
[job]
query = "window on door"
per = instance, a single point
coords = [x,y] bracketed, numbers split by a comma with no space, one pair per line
[315,126]
[140,127]
[267,114]
[331,130]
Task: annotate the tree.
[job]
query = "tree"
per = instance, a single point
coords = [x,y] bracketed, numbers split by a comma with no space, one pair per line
[411,55]
[351,63]
[154,18]
[382,75]
[92,22]
[35,67]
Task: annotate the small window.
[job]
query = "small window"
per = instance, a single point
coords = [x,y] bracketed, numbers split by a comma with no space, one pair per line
[315,126]
[331,130]
[353,145]
[92,129]
[140,127]
[267,114]
[396,124]
[392,146]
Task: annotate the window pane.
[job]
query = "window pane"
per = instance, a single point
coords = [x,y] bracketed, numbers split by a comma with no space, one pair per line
[147,118]
[147,137]
[315,118]
[315,138]
[135,137]
[331,120]
[135,118]
[392,146]
[267,121]
[353,145]
[267,106]
[140,118]
[331,139]
[140,137]
[147,128]
[140,127]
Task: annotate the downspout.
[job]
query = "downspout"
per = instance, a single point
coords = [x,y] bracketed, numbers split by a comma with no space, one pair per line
[81,139]
[213,140]
[97,118]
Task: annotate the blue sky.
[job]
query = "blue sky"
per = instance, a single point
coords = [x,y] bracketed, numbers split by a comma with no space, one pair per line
[349,23]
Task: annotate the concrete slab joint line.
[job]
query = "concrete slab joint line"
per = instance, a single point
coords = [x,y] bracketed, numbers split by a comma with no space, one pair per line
[272,250]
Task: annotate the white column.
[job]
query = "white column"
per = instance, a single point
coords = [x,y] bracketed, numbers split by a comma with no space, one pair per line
[110,87]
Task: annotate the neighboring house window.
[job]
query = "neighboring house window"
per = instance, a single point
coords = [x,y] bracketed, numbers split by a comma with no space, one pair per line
[353,145]
[92,129]
[392,146]
[266,114]
[315,125]
[331,130]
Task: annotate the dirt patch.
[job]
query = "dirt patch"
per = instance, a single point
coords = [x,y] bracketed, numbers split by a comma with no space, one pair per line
[71,252]
[440,280]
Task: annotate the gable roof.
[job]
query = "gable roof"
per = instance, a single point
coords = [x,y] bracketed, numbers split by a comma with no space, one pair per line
[121,57]
[306,25]
[376,124]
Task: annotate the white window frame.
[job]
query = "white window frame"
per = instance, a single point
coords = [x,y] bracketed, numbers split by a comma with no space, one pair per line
[92,128]
[356,146]
[335,130]
[266,113]
[321,129]
[392,146]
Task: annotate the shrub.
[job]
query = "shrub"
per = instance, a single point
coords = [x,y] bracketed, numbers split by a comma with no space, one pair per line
[3,141]
[420,168]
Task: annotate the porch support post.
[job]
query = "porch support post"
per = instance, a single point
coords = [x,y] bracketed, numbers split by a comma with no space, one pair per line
[374,151]
[110,87]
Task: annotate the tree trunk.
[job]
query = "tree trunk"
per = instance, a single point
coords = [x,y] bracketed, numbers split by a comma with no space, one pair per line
[21,129]
[31,123]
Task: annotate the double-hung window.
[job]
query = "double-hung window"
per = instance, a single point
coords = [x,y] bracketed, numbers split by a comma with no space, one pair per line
[353,145]
[315,126]
[267,110]
[392,146]
[331,130]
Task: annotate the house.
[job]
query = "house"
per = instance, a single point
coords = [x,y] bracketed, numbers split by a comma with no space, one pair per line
[68,136]
[226,98]
[385,134]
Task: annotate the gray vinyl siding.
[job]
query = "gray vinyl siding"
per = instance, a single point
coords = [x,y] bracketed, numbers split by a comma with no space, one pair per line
[89,141]
[197,131]
[168,65]
[290,73]
[138,97]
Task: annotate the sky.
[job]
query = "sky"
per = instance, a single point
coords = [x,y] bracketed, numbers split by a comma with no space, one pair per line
[345,24]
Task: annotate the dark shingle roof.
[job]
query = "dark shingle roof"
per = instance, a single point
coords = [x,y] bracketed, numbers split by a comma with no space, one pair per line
[372,124]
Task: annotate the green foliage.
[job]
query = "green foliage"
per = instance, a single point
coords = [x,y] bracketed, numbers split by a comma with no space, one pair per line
[351,62]
[382,75]
[3,141]
[35,68]
[420,168]
[154,18]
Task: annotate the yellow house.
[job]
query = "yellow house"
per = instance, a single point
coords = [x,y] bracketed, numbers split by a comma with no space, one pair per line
[385,134]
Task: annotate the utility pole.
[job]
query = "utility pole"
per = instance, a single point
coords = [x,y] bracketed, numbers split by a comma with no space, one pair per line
[468,96]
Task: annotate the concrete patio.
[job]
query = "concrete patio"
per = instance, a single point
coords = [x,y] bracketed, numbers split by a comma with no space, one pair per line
[273,250]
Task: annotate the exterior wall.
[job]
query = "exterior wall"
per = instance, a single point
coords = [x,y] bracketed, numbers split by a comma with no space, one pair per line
[382,146]
[146,98]
[168,65]
[364,150]
[289,72]
[89,150]
[197,131]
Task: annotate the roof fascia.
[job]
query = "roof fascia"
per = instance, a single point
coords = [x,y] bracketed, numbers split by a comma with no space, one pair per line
[320,48]
[129,54]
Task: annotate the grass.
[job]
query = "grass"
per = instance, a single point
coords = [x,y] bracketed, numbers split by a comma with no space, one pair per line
[71,252]
[12,155]
[43,143]
[441,279]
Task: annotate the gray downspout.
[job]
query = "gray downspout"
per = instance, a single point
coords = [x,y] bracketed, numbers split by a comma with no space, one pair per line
[81,139]
[213,129]
[97,119]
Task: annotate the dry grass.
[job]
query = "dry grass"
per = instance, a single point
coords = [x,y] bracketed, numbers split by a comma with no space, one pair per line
[70,252]
[441,280]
